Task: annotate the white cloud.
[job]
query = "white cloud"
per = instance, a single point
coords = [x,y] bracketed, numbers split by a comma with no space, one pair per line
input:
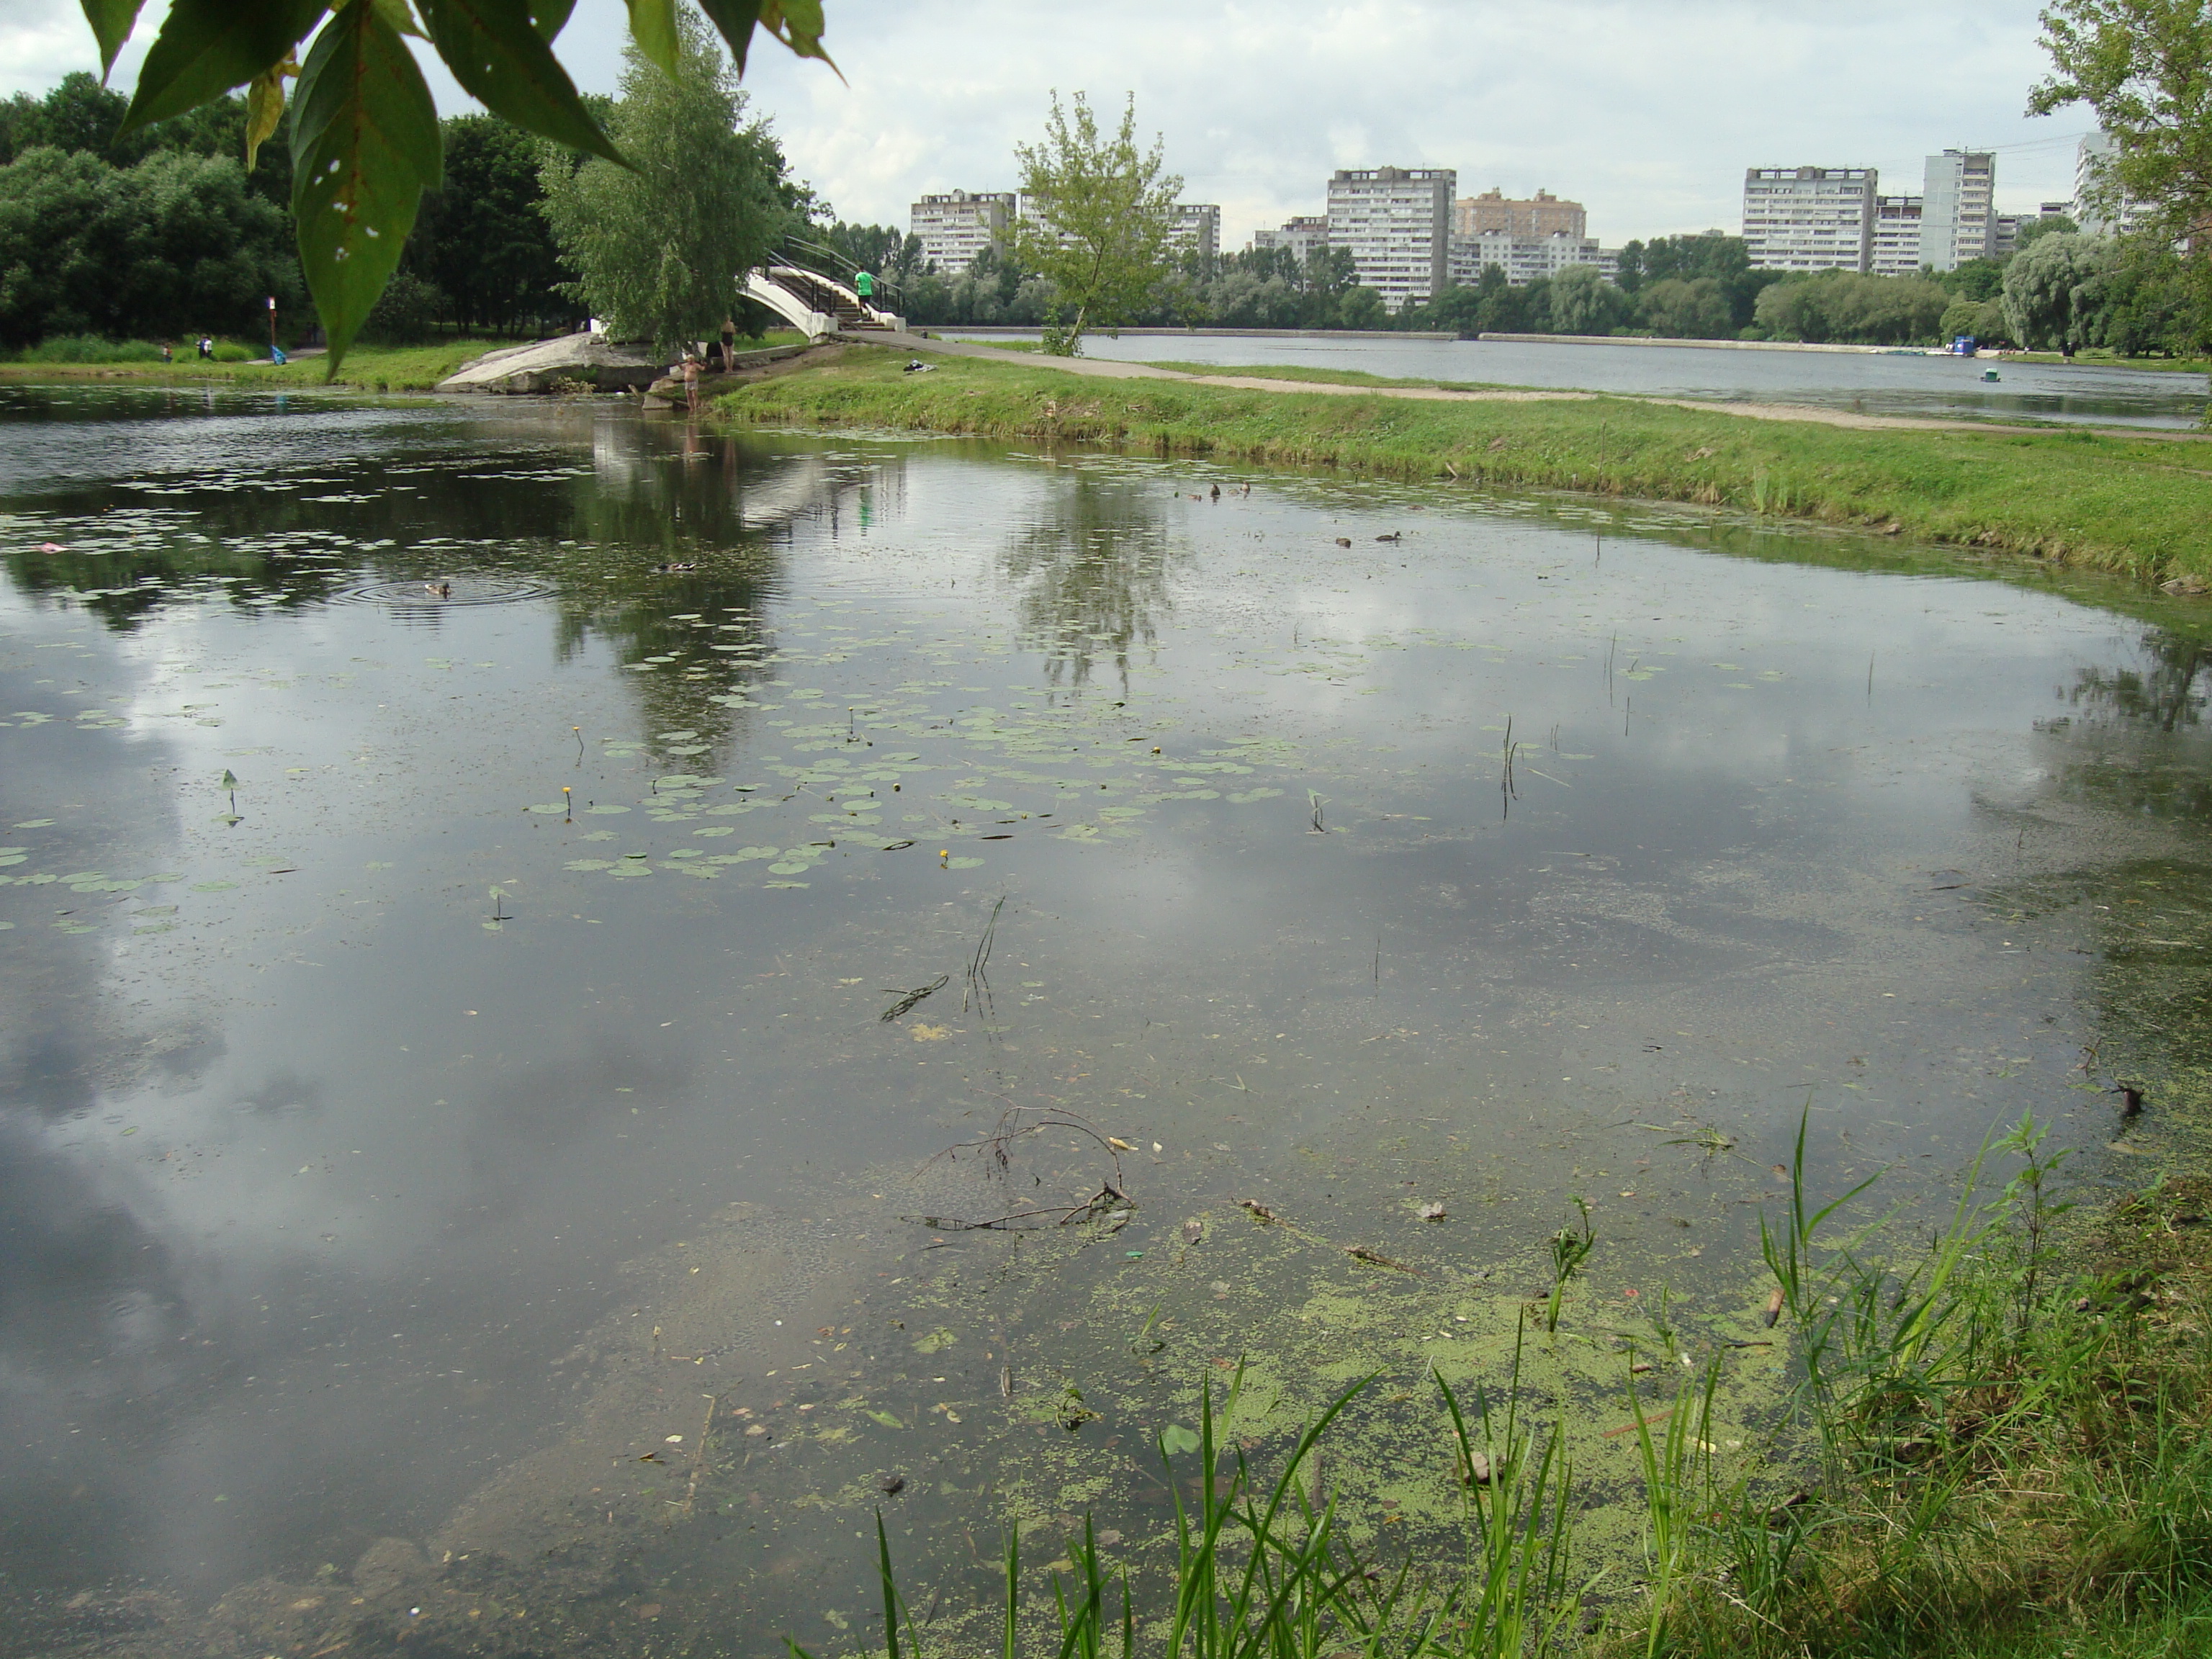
[1649,112]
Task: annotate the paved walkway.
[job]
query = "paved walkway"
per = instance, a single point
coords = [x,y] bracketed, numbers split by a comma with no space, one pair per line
[1100,368]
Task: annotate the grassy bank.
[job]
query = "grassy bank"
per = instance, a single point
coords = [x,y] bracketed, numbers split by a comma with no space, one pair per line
[367,369]
[1996,1448]
[2097,359]
[2133,505]
[370,369]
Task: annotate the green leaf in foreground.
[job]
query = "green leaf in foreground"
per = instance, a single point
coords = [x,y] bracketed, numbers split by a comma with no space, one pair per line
[652,25]
[495,51]
[112,21]
[206,47]
[365,146]
[797,23]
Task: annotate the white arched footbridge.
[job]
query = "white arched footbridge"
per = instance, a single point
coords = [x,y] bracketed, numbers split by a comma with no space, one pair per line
[816,305]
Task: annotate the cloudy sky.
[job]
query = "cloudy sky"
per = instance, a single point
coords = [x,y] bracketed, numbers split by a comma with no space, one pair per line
[1647,112]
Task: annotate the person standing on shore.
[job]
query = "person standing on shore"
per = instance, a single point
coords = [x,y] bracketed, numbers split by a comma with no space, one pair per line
[207,347]
[729,345]
[691,367]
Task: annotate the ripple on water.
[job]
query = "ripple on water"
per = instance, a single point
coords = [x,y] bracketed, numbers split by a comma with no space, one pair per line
[462,589]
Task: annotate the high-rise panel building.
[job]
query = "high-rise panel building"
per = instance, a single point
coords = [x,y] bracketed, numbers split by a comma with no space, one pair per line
[959,225]
[2094,216]
[1809,218]
[1396,222]
[1958,215]
[1895,249]
[1197,229]
[1541,215]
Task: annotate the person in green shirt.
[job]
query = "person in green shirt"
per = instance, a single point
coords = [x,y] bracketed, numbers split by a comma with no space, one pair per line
[864,286]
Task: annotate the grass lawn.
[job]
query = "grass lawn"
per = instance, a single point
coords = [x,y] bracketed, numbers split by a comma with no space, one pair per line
[367,368]
[2136,505]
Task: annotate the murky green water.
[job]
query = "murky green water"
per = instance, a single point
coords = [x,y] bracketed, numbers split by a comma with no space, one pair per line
[405,1161]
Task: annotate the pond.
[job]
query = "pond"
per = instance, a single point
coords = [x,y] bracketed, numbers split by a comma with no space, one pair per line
[589,1003]
[1864,383]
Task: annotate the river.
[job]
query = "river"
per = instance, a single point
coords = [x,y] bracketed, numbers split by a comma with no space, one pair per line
[588,1004]
[1866,383]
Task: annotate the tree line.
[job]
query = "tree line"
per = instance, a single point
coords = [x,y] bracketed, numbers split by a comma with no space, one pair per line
[162,233]
[144,216]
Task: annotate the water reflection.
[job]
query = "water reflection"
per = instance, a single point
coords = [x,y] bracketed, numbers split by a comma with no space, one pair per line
[360,1219]
[1092,571]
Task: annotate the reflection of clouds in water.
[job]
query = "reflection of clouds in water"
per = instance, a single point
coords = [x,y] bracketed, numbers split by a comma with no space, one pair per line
[398,1183]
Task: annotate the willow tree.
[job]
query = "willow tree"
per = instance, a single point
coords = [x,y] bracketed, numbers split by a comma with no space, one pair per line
[659,245]
[1103,211]
[365,143]
[2144,67]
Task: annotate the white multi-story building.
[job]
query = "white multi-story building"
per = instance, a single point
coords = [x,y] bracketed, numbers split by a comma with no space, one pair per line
[1301,235]
[1957,216]
[1197,230]
[1895,246]
[956,227]
[1524,258]
[1809,218]
[1396,221]
[2095,153]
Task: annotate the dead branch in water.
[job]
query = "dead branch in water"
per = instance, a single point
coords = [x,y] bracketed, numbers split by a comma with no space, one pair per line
[1017,1123]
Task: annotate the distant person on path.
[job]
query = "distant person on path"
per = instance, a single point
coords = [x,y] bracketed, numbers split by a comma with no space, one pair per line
[691,367]
[168,356]
[2066,349]
[207,347]
[729,345]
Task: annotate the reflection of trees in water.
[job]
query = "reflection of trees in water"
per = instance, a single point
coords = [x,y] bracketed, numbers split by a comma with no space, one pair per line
[532,504]
[2164,695]
[725,507]
[2138,747]
[1093,573]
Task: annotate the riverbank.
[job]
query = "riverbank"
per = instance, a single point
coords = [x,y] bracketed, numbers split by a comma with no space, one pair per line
[367,368]
[2125,502]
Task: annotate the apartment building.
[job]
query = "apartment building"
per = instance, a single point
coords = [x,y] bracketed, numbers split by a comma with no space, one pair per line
[1534,219]
[1302,235]
[2090,157]
[1197,229]
[1524,258]
[1809,218]
[1958,218]
[956,227]
[1396,223]
[1895,246]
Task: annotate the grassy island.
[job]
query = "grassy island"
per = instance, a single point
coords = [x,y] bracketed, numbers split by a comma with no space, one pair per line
[2119,501]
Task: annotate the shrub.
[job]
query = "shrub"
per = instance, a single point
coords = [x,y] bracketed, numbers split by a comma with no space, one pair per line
[91,349]
[405,314]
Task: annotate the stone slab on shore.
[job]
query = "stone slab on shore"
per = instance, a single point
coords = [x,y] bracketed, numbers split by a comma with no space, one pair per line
[543,365]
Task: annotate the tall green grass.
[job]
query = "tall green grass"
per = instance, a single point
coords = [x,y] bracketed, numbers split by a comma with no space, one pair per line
[2003,1451]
